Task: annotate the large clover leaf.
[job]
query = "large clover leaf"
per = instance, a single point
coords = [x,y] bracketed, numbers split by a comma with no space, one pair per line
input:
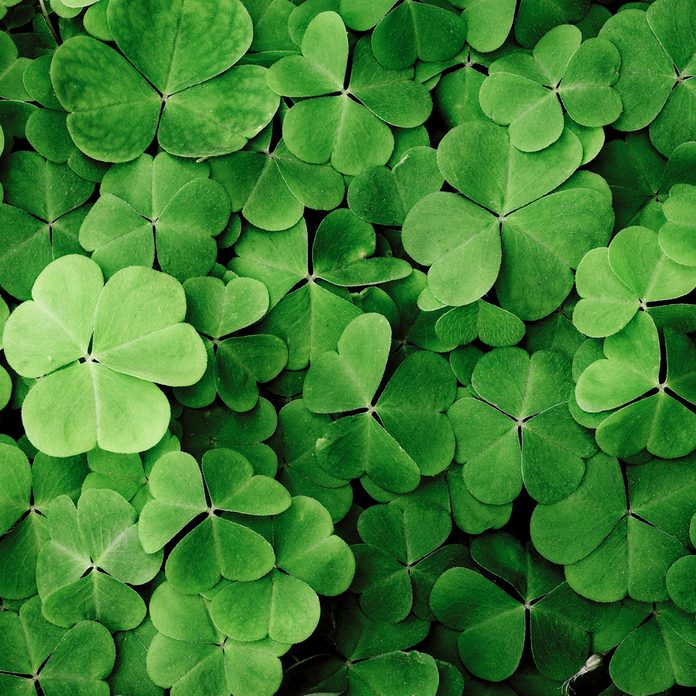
[507,228]
[40,218]
[113,109]
[618,539]
[216,547]
[94,555]
[35,653]
[384,97]
[528,93]
[98,349]
[517,429]
[26,493]
[651,411]
[156,209]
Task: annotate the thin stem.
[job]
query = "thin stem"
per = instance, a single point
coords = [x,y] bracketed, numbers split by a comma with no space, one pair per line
[49,24]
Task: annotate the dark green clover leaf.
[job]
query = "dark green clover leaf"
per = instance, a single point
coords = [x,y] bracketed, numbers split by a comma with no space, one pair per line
[35,653]
[517,429]
[491,324]
[354,135]
[25,494]
[309,560]
[492,623]
[678,235]
[401,557]
[94,555]
[113,342]
[632,273]
[190,656]
[194,107]
[216,547]
[157,209]
[236,365]
[272,189]
[311,318]
[130,674]
[507,228]
[529,93]
[40,218]
[619,540]
[384,196]
[651,412]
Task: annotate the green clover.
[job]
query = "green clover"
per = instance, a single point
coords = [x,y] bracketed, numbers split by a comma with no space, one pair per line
[649,411]
[179,83]
[517,429]
[94,555]
[677,235]
[98,349]
[159,209]
[217,546]
[619,539]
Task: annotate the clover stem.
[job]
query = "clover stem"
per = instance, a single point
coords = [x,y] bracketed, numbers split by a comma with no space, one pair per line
[49,24]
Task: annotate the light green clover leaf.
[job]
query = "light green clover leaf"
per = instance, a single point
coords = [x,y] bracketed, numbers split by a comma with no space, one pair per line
[34,652]
[160,209]
[677,236]
[94,555]
[517,430]
[632,532]
[114,112]
[651,411]
[98,349]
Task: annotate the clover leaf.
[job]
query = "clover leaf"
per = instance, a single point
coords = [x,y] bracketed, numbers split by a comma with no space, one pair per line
[34,651]
[676,236]
[159,209]
[94,555]
[629,370]
[492,325]
[216,547]
[633,532]
[517,429]
[41,218]
[98,347]
[184,70]
[309,560]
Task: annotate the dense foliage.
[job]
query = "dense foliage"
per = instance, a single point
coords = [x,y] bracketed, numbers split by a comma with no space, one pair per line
[346,347]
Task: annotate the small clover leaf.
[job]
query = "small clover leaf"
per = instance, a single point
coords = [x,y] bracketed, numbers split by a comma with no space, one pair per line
[94,555]
[129,333]
[678,234]
[491,324]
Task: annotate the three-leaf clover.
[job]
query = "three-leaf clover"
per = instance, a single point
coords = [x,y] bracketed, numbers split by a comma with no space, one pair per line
[98,348]
[160,209]
[216,547]
[179,83]
[517,430]
[649,411]
[94,555]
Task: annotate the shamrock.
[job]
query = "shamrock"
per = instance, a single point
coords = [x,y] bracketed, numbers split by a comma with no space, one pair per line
[677,235]
[235,365]
[311,318]
[402,556]
[615,282]
[26,494]
[618,539]
[216,547]
[560,621]
[309,560]
[528,93]
[161,208]
[517,428]
[41,218]
[384,196]
[630,369]
[94,555]
[385,97]
[190,656]
[392,454]
[126,335]
[272,189]
[34,652]
[178,84]
[504,231]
